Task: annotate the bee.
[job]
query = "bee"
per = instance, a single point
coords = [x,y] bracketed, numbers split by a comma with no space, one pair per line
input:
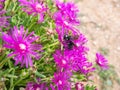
[69,41]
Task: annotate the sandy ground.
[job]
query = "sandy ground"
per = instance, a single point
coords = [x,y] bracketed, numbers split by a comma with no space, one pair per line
[100,22]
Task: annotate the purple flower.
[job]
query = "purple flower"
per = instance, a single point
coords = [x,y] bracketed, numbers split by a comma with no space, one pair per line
[101,61]
[78,60]
[36,86]
[2,4]
[2,0]
[22,46]
[69,10]
[74,59]
[34,7]
[52,87]
[64,24]
[79,86]
[3,20]
[66,19]
[80,41]
[61,61]
[61,80]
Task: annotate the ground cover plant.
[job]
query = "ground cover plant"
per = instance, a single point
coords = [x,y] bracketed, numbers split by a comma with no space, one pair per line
[41,48]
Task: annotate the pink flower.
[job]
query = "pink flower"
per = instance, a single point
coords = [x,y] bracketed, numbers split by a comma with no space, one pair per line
[66,19]
[78,60]
[74,57]
[61,61]
[22,46]
[79,86]
[34,7]
[69,10]
[73,60]
[36,86]
[81,40]
[2,4]
[101,61]
[61,80]
[63,23]
[3,20]
[2,0]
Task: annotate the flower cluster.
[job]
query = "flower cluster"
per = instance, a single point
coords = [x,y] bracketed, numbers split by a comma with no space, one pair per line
[71,58]
[22,45]
[68,11]
[34,7]
[66,18]
[74,59]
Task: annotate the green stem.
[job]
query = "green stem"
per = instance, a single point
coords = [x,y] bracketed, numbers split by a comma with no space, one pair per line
[41,59]
[18,81]
[54,44]
[9,63]
[13,9]
[47,79]
[7,4]
[31,25]
[40,75]
[3,62]
[11,81]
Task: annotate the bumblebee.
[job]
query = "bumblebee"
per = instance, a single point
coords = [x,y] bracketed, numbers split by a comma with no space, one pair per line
[69,41]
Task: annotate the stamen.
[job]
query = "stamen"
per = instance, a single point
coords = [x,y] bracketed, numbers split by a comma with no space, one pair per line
[66,23]
[60,82]
[38,7]
[22,46]
[63,61]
